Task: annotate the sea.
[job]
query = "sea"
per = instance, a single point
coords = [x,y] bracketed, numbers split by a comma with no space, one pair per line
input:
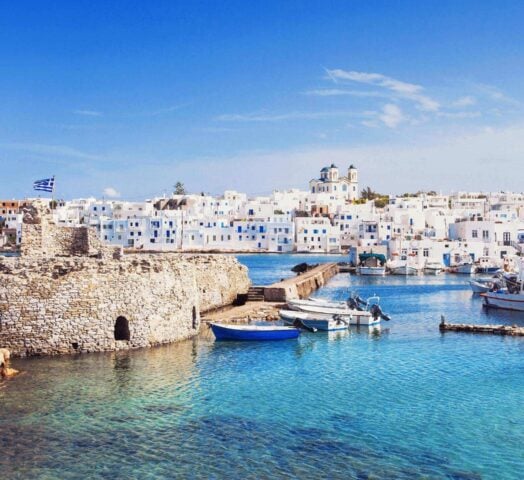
[400,402]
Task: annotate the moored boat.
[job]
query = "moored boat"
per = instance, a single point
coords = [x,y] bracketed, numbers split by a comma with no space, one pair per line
[504,300]
[253,332]
[512,298]
[432,268]
[487,265]
[403,265]
[463,264]
[354,304]
[372,264]
[328,321]
[404,270]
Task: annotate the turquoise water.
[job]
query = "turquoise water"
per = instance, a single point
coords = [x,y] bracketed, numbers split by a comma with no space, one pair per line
[405,403]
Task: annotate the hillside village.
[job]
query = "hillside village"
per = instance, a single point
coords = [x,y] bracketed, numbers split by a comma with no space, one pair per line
[331,217]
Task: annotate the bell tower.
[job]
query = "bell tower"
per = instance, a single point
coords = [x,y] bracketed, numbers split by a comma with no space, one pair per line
[353,182]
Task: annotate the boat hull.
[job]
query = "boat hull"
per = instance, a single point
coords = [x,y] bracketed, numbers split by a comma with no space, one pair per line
[240,333]
[325,321]
[319,309]
[478,287]
[491,270]
[374,271]
[432,271]
[404,270]
[467,269]
[504,301]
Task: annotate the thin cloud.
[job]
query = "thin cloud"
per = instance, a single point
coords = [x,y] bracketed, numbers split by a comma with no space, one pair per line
[160,111]
[459,114]
[401,89]
[332,92]
[496,94]
[88,113]
[43,149]
[111,192]
[391,115]
[263,117]
[466,101]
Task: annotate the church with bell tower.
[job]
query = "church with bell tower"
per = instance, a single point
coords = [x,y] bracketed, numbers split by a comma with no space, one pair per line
[331,182]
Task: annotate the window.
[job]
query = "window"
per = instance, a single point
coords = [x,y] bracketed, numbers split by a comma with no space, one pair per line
[474,233]
[485,234]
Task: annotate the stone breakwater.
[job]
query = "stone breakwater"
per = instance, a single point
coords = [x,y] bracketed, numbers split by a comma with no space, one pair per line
[511,330]
[77,295]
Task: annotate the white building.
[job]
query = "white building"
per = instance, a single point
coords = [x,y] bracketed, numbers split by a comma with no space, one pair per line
[331,182]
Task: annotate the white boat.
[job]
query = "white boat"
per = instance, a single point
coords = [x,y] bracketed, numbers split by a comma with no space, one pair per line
[376,271]
[487,265]
[404,270]
[432,268]
[504,300]
[372,264]
[313,303]
[403,266]
[327,309]
[328,321]
[483,286]
[465,269]
[463,264]
[479,287]
[355,306]
[513,298]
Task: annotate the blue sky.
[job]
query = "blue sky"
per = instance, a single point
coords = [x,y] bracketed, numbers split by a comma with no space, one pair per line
[127,98]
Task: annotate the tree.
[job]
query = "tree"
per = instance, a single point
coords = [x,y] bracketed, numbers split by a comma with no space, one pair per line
[179,189]
[368,194]
[381,201]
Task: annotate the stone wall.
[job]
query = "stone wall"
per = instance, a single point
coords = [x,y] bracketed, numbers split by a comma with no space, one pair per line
[69,293]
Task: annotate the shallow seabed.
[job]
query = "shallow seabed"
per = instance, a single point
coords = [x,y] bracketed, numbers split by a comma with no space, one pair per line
[404,403]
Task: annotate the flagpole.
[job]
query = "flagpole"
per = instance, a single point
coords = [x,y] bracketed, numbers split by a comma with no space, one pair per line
[53,194]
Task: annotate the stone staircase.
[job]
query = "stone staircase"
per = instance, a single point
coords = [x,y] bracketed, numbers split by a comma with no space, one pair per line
[255,294]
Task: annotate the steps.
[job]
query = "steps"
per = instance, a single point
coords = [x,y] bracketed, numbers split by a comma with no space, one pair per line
[255,294]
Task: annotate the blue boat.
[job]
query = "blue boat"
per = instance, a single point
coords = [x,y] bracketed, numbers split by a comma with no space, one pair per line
[253,332]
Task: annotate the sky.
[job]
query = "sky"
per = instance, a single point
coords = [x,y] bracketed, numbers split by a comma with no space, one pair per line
[124,99]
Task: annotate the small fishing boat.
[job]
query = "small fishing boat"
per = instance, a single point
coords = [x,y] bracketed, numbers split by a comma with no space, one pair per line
[353,310]
[463,263]
[464,269]
[254,332]
[298,304]
[327,321]
[372,264]
[488,284]
[487,265]
[404,270]
[504,300]
[433,268]
[510,299]
[403,266]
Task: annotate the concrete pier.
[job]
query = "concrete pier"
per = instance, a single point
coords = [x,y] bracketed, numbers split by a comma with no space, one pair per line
[512,330]
[302,285]
[264,302]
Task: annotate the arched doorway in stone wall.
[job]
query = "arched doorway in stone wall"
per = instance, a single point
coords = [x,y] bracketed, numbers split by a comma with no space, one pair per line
[122,329]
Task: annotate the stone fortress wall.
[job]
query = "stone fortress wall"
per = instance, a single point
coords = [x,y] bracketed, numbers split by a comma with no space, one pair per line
[68,292]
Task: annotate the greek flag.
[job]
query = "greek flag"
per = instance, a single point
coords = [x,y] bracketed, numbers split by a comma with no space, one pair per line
[45,185]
